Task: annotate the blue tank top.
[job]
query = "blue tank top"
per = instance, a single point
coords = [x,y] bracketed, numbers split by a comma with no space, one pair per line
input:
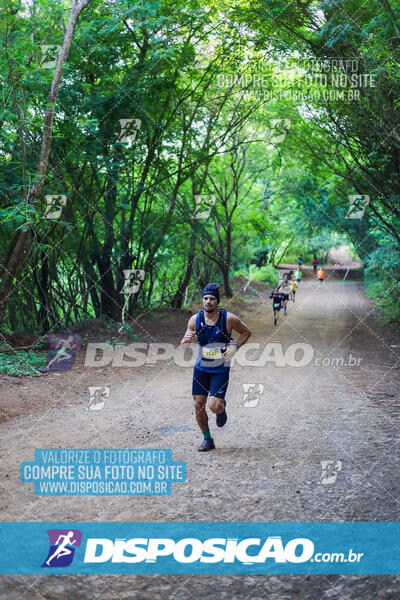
[211,339]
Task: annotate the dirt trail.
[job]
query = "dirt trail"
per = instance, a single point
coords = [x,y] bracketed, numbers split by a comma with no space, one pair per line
[267,463]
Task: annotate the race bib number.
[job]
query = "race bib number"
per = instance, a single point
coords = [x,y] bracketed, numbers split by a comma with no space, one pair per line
[211,353]
[277,304]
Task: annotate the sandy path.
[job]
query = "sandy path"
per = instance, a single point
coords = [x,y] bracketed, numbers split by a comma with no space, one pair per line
[267,463]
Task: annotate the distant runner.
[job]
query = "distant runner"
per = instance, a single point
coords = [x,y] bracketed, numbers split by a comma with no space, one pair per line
[281,279]
[213,327]
[277,299]
[285,289]
[293,287]
[320,276]
[315,264]
[298,274]
[300,261]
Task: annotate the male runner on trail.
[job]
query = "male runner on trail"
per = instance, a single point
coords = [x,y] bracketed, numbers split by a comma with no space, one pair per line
[300,260]
[213,327]
[293,287]
[315,264]
[277,298]
[298,275]
[320,276]
[285,290]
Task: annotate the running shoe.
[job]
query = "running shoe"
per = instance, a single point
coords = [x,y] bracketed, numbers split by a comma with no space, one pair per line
[208,444]
[222,417]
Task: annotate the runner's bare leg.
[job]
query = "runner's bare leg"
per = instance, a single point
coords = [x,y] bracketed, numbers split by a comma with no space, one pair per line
[201,413]
[216,405]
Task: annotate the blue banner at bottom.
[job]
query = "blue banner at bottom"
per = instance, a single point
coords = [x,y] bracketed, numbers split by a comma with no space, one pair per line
[200,548]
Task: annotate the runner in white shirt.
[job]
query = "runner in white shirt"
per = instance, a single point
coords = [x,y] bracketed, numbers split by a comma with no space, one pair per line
[285,289]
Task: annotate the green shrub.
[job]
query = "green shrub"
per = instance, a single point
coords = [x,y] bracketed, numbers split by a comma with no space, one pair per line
[21,363]
[267,274]
[386,296]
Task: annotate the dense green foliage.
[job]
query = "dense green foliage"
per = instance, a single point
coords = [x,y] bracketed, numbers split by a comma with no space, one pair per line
[202,81]
[17,364]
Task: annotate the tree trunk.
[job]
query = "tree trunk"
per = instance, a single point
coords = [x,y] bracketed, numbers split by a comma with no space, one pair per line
[11,270]
[227,283]
[177,300]
[16,255]
[43,293]
[109,303]
[111,300]
[91,279]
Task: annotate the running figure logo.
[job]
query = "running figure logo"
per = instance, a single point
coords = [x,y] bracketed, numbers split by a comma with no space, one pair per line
[204,204]
[278,131]
[330,470]
[129,129]
[49,56]
[61,551]
[97,397]
[62,351]
[251,394]
[54,206]
[133,280]
[358,204]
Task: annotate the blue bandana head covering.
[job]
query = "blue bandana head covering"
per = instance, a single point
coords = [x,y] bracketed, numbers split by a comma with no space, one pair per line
[212,289]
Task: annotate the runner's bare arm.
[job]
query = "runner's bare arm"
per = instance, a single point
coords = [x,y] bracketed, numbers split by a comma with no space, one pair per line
[233,323]
[190,333]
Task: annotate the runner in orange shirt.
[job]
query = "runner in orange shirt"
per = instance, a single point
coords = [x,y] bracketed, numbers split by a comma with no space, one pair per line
[320,276]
